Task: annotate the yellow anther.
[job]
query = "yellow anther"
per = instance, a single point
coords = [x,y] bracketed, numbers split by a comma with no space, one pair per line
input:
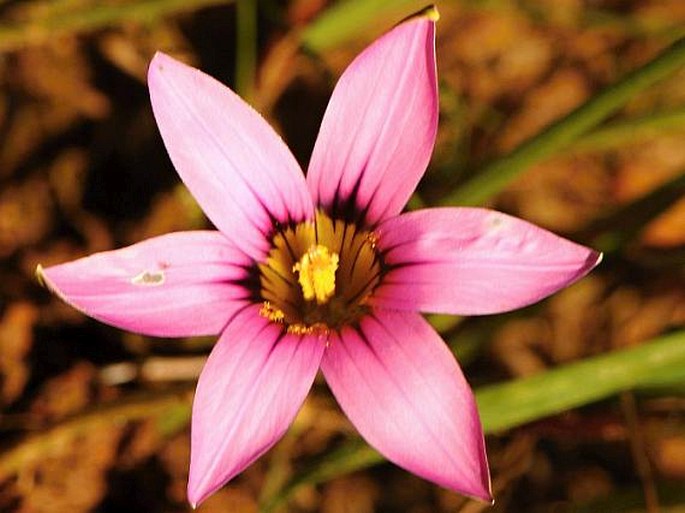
[316,271]
[371,239]
[301,329]
[272,313]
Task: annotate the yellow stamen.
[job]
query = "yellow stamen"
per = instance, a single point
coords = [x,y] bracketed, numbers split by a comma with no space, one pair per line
[317,273]
[272,313]
[301,329]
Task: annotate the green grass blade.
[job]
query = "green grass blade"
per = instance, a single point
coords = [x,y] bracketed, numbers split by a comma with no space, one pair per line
[343,20]
[623,132]
[511,404]
[246,48]
[346,19]
[507,405]
[498,174]
[44,29]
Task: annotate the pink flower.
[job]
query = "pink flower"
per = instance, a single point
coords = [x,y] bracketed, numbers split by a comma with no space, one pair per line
[324,271]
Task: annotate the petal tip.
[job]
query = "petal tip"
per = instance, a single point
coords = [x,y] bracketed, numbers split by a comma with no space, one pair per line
[159,58]
[157,61]
[43,277]
[488,497]
[40,276]
[202,485]
[481,493]
[158,64]
[485,498]
[195,494]
[594,258]
[481,488]
[429,13]
[598,259]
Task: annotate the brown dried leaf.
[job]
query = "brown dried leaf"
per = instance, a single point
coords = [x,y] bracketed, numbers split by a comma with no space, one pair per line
[667,229]
[652,314]
[564,90]
[175,456]
[491,55]
[669,457]
[132,48]
[65,394]
[230,498]
[60,75]
[170,212]
[517,345]
[578,321]
[16,340]
[143,442]
[25,215]
[50,488]
[350,494]
[562,194]
[67,175]
[587,484]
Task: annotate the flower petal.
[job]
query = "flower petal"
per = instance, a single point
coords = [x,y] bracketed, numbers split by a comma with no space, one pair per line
[249,392]
[401,387]
[473,261]
[180,284]
[236,166]
[379,129]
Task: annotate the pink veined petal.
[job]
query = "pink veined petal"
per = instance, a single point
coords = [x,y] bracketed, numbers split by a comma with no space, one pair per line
[402,388]
[473,261]
[249,392]
[235,165]
[379,129]
[176,285]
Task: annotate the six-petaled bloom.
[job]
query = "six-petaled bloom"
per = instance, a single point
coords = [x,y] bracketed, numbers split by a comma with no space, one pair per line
[323,271]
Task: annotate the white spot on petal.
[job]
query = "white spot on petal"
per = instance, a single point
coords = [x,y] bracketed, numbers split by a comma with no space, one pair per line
[149,278]
[495,221]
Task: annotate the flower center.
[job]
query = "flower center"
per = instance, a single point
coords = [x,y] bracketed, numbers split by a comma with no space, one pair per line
[319,275]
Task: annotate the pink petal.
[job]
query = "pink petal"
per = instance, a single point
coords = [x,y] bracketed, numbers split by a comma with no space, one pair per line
[378,131]
[473,261]
[236,166]
[402,388]
[177,285]
[249,392]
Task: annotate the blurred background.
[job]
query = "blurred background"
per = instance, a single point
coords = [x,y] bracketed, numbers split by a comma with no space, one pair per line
[582,396]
